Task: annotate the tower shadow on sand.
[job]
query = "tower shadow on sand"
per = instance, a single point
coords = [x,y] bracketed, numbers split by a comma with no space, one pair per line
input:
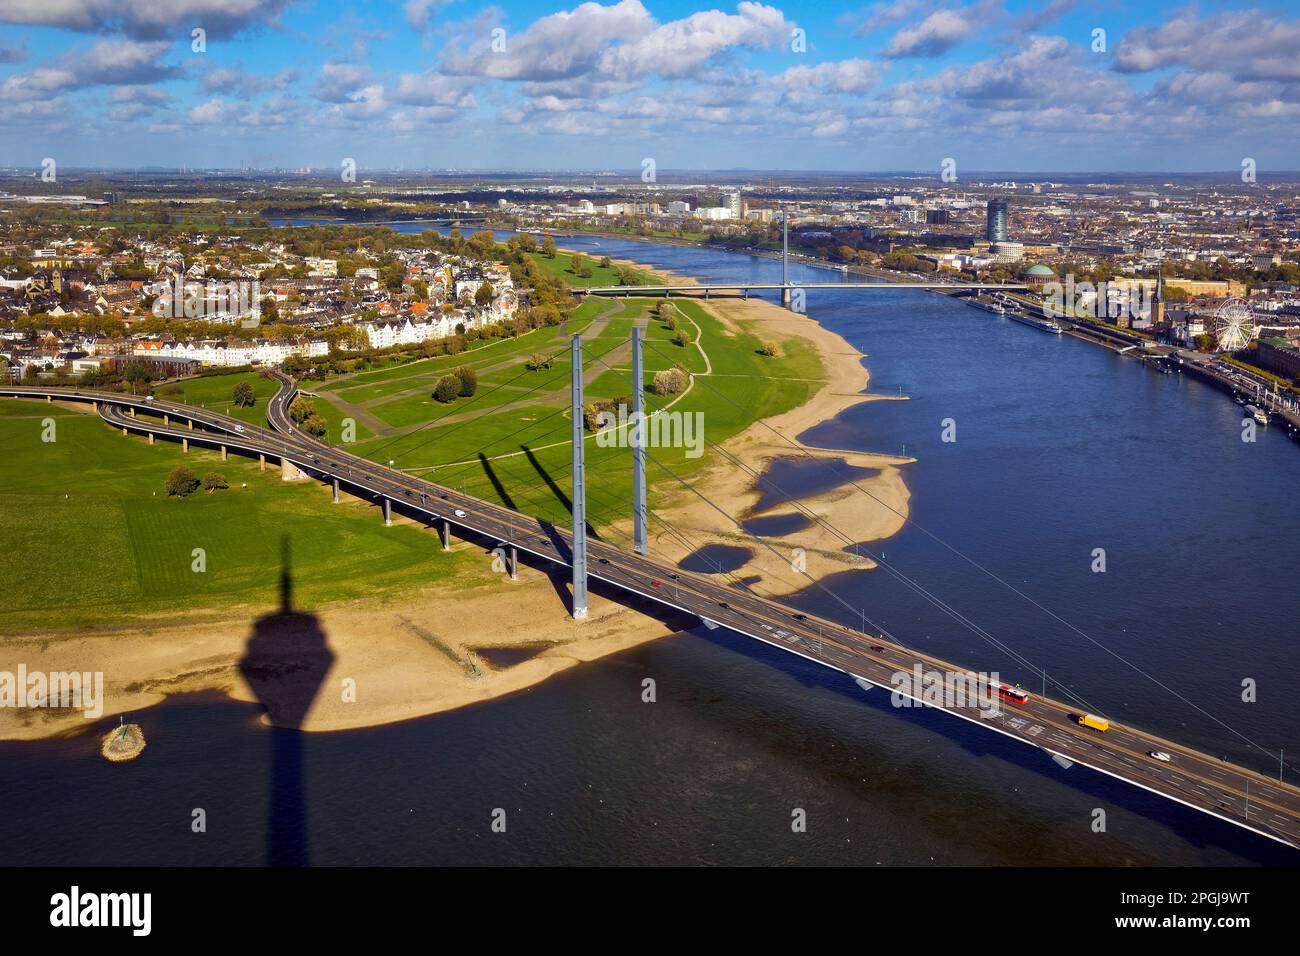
[285,662]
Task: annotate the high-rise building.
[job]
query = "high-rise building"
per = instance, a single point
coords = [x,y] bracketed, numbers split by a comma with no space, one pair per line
[995,227]
[736,206]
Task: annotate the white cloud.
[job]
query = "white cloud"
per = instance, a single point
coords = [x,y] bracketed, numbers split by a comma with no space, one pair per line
[433,89]
[143,18]
[37,83]
[339,81]
[936,34]
[681,47]
[238,82]
[564,44]
[1250,44]
[419,12]
[843,76]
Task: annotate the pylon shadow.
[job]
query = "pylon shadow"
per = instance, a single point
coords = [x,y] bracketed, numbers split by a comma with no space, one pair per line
[285,662]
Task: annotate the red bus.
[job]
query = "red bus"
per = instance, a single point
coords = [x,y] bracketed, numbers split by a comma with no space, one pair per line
[1013,694]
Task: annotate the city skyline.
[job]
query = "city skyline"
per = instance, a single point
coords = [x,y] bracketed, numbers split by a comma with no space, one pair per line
[901,86]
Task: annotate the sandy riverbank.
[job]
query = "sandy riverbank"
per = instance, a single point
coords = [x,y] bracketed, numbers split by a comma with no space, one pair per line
[424,653]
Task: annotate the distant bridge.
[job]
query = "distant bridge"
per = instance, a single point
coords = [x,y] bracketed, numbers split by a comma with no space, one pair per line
[745,288]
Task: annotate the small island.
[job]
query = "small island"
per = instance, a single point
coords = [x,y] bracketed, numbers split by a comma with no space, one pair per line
[123,743]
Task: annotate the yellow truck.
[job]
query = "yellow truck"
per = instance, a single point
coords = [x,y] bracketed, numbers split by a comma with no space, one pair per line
[1096,723]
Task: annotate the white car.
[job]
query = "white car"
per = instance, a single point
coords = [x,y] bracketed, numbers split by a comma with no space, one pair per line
[240,429]
[459,513]
[1160,755]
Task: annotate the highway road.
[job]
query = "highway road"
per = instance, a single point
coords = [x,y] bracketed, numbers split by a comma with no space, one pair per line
[1198,780]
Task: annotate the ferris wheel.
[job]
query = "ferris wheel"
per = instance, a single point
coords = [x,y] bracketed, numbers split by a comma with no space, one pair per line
[1234,325]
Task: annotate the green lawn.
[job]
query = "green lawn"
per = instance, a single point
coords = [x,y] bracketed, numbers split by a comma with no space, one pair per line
[334,419]
[92,539]
[560,266]
[216,392]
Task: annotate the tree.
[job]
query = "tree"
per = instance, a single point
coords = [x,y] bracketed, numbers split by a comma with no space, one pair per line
[605,262]
[548,247]
[681,338]
[447,389]
[244,396]
[537,362]
[136,373]
[767,348]
[301,408]
[483,295]
[670,381]
[580,266]
[467,379]
[215,481]
[269,309]
[315,425]
[182,482]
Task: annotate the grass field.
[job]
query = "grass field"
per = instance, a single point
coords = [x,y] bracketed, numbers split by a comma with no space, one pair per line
[216,392]
[562,264]
[92,539]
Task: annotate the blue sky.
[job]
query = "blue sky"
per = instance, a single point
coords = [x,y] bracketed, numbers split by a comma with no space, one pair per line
[892,85]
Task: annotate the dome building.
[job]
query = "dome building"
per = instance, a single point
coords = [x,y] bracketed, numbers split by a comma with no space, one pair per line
[1038,275]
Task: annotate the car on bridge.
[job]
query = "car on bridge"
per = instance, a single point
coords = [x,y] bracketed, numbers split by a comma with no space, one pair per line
[1160,755]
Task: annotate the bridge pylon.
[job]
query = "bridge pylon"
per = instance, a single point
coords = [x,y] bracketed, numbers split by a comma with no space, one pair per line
[638,435]
[579,489]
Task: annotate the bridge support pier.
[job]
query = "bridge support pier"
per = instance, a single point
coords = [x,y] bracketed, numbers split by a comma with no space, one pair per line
[336,491]
[261,463]
[444,532]
[131,411]
[388,512]
[124,431]
[579,489]
[185,444]
[223,452]
[190,423]
[151,438]
[49,399]
[512,561]
[785,296]
[167,419]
